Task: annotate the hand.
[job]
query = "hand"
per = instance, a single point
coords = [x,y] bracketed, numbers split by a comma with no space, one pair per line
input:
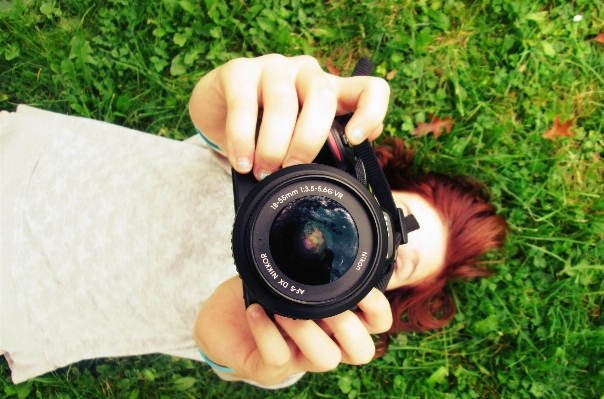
[225,106]
[250,343]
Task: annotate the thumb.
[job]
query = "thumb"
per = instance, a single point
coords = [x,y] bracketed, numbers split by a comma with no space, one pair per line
[367,97]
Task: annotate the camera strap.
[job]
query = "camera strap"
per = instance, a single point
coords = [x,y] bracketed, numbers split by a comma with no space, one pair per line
[381,191]
[379,185]
[374,174]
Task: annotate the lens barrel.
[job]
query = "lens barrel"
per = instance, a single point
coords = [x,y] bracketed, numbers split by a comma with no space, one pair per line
[310,241]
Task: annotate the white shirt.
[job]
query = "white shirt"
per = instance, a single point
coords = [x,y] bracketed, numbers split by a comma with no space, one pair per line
[110,240]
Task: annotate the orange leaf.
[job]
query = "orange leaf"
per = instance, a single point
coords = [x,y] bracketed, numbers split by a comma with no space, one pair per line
[559,130]
[435,126]
[332,69]
[390,75]
[599,38]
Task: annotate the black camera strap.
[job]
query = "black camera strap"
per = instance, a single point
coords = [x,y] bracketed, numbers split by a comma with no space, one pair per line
[374,174]
[379,185]
[381,191]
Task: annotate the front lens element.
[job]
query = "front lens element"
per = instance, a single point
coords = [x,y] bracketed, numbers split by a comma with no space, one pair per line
[314,240]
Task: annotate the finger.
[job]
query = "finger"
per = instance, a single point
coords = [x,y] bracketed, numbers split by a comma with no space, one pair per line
[237,80]
[375,312]
[208,99]
[280,105]
[321,323]
[318,353]
[368,98]
[319,103]
[354,341]
[376,133]
[270,362]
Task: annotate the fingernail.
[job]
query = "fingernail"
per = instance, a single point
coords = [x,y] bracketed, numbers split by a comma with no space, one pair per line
[255,311]
[243,163]
[291,162]
[262,175]
[357,135]
[370,293]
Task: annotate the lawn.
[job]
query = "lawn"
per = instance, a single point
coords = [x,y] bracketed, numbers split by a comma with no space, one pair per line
[506,73]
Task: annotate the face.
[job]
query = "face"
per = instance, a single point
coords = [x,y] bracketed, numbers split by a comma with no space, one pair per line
[423,256]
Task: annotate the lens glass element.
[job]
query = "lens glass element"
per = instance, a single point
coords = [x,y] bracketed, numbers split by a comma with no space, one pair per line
[314,240]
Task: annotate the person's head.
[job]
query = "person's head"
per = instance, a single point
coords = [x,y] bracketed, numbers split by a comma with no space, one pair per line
[457,226]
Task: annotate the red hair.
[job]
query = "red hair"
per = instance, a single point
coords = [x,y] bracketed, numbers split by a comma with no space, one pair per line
[473,229]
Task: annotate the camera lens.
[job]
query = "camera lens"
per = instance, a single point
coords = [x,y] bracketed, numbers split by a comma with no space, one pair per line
[314,240]
[309,241]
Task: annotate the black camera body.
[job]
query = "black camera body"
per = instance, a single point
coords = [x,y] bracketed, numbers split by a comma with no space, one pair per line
[311,241]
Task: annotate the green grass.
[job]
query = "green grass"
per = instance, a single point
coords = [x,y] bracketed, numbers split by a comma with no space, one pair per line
[501,69]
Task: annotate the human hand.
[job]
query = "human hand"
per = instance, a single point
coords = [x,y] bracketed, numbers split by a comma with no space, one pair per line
[256,348]
[298,101]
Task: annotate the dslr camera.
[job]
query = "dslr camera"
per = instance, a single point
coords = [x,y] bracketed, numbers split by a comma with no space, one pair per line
[310,241]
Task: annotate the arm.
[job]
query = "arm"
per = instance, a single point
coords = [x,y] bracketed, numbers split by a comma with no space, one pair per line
[298,102]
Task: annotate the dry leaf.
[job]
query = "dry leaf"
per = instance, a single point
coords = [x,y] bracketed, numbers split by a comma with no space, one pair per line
[599,38]
[559,130]
[332,69]
[435,126]
[390,75]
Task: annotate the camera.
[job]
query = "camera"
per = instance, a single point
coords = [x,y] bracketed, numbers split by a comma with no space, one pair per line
[310,241]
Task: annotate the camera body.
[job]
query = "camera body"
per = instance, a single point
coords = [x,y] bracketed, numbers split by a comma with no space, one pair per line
[310,241]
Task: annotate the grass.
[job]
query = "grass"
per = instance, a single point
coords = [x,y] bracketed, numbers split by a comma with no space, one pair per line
[501,69]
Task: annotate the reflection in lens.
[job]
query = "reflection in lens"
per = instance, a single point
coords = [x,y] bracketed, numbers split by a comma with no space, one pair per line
[311,241]
[314,240]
